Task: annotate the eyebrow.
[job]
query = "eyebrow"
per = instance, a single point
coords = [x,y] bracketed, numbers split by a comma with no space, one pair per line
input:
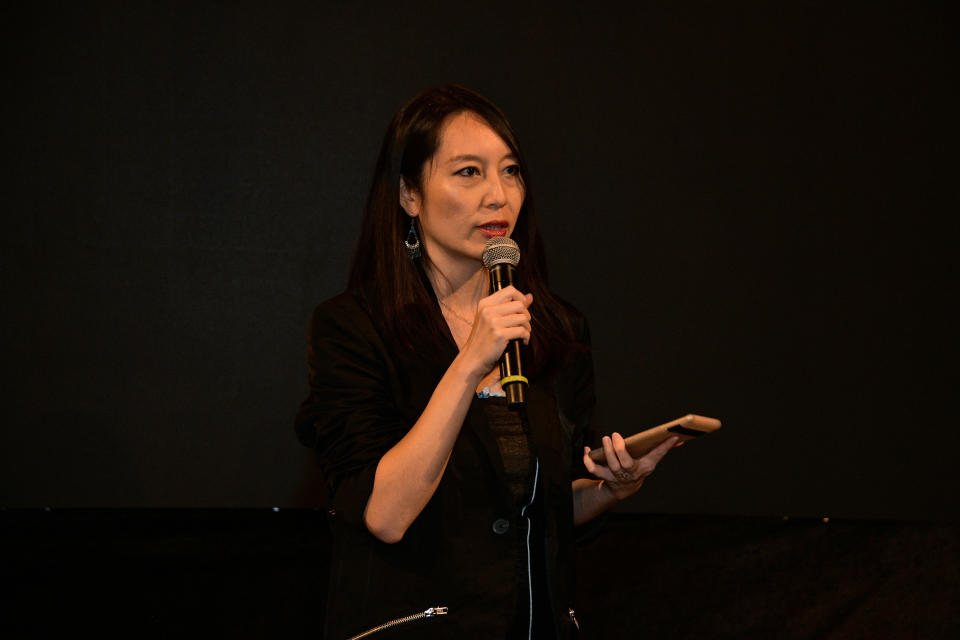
[467,157]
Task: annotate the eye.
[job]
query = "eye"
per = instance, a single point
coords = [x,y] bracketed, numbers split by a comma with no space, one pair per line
[512,170]
[468,172]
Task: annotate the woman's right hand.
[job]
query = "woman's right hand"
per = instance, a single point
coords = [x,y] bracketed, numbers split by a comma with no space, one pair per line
[409,473]
[501,317]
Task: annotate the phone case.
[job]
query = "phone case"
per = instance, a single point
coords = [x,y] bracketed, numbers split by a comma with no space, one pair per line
[688,427]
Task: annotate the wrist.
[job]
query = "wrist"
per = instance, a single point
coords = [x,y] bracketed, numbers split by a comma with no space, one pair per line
[611,495]
[464,370]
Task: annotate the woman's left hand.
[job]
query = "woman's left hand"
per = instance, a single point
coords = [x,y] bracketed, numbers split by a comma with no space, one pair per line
[624,474]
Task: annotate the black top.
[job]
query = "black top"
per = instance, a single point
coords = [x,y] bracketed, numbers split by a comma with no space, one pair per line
[512,433]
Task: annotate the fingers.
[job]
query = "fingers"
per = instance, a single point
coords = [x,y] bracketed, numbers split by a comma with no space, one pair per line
[515,310]
[588,462]
[510,326]
[624,474]
[520,321]
[656,455]
[620,449]
[597,470]
[613,463]
[491,309]
[509,319]
[508,294]
[616,455]
[500,318]
[619,459]
[506,308]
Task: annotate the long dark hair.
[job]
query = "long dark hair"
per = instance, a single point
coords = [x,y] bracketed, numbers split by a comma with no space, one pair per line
[383,275]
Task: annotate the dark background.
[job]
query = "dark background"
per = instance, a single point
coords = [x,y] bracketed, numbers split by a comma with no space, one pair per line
[750,203]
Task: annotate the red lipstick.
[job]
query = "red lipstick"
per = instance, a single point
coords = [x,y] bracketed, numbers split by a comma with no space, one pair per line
[494,228]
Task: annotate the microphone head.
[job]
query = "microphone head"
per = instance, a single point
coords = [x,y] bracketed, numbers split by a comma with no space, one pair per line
[499,250]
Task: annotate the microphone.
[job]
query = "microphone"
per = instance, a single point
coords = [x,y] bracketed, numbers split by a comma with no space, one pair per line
[501,255]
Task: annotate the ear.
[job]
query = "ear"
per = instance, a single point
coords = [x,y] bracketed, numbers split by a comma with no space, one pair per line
[409,199]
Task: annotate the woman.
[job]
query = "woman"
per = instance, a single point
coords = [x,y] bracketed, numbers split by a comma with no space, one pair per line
[446,501]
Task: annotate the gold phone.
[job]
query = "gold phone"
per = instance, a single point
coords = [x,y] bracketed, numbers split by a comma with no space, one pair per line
[688,427]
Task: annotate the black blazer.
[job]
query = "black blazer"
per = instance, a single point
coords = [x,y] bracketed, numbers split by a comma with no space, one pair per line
[460,552]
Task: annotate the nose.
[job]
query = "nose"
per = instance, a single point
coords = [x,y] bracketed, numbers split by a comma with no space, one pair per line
[496,195]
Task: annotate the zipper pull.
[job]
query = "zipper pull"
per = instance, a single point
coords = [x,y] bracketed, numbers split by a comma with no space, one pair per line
[435,611]
[573,616]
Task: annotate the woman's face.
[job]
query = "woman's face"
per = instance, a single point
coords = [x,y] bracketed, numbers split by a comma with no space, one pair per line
[472,191]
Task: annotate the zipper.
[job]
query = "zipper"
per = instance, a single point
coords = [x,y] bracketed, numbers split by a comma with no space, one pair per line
[573,617]
[428,613]
[523,512]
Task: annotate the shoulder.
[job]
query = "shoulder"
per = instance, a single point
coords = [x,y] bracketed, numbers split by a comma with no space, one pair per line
[575,319]
[343,326]
[345,305]
[344,312]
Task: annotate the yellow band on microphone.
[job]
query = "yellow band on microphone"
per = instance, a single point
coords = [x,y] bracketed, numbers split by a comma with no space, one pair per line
[509,379]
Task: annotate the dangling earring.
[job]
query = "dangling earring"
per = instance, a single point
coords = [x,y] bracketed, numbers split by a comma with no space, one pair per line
[412,243]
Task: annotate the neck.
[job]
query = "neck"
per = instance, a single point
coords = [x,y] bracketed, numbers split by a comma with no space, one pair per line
[460,288]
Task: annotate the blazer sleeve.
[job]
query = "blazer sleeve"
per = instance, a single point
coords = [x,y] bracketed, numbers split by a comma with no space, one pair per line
[577,399]
[350,416]
[578,413]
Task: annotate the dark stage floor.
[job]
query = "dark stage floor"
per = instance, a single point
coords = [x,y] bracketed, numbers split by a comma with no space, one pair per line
[262,574]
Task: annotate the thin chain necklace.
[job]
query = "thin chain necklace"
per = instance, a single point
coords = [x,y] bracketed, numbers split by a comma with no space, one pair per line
[460,317]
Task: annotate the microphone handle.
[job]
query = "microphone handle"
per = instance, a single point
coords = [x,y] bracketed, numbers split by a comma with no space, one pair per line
[511,376]
[512,380]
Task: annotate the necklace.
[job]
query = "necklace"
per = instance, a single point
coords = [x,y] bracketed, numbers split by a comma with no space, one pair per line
[459,317]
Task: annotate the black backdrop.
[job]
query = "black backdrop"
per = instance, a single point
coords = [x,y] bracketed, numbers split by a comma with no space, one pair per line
[749,202]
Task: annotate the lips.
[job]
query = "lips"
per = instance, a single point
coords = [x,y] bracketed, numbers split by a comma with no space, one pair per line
[494,228]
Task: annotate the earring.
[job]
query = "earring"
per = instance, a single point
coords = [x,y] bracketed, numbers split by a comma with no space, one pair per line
[412,243]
